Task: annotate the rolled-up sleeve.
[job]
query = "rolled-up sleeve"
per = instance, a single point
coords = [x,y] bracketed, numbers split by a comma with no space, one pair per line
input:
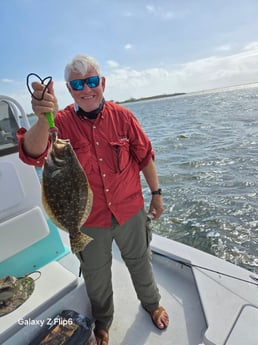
[38,161]
[146,160]
[141,147]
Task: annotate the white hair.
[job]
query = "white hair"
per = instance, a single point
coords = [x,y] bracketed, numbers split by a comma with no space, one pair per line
[80,63]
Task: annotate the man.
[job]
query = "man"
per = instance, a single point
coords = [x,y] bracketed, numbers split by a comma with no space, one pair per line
[112,149]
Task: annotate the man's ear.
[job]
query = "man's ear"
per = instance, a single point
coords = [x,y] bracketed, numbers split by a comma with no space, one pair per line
[68,87]
[103,83]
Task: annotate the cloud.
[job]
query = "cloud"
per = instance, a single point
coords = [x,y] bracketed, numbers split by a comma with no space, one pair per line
[128,46]
[168,15]
[223,48]
[251,46]
[112,63]
[150,8]
[6,80]
[207,73]
[128,14]
[160,12]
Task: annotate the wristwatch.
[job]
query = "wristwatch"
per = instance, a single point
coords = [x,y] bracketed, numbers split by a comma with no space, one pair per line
[157,192]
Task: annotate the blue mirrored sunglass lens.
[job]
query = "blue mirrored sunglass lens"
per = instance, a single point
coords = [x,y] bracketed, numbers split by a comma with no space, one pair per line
[92,81]
[77,84]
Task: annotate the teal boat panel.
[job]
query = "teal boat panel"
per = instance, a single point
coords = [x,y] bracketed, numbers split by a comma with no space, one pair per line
[48,249]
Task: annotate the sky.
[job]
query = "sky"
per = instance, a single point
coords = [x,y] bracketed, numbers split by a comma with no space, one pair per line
[144,47]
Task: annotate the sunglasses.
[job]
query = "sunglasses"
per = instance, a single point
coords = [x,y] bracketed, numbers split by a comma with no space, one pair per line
[78,84]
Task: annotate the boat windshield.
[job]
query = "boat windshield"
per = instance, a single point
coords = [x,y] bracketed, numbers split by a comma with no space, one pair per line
[8,128]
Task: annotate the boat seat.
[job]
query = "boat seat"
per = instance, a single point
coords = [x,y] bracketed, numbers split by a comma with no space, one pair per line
[55,282]
[245,330]
[13,192]
[22,231]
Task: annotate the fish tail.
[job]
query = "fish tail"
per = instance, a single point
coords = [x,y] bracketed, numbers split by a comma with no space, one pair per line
[79,242]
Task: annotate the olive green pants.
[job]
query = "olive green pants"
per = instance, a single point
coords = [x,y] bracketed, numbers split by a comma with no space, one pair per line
[133,240]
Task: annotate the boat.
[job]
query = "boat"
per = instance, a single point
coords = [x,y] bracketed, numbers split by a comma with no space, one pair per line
[210,301]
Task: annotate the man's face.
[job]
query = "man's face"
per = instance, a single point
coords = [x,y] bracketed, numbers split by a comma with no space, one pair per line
[87,99]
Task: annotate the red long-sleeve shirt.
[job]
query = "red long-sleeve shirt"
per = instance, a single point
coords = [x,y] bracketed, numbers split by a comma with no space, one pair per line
[112,150]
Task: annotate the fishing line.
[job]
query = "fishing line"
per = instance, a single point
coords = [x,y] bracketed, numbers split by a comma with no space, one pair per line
[50,117]
[48,79]
[190,265]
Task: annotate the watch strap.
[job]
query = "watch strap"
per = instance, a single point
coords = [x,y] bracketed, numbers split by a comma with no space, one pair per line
[157,192]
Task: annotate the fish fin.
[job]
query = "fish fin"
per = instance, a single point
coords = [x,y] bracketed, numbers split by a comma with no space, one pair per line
[88,205]
[79,242]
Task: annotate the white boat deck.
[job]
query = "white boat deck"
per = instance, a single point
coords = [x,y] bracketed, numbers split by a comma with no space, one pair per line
[131,325]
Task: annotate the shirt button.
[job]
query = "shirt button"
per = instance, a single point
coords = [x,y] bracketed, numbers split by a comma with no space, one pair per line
[100,159]
[109,204]
[107,190]
[104,175]
[94,126]
[97,143]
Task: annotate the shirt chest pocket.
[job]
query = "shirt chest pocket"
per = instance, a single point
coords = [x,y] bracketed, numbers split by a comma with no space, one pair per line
[120,154]
[83,151]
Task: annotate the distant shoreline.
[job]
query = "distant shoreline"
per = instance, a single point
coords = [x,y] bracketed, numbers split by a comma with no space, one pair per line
[131,100]
[221,88]
[134,100]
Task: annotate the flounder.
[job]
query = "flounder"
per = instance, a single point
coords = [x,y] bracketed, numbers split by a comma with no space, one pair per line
[66,193]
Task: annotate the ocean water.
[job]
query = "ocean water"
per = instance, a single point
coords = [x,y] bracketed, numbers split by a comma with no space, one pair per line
[206,148]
